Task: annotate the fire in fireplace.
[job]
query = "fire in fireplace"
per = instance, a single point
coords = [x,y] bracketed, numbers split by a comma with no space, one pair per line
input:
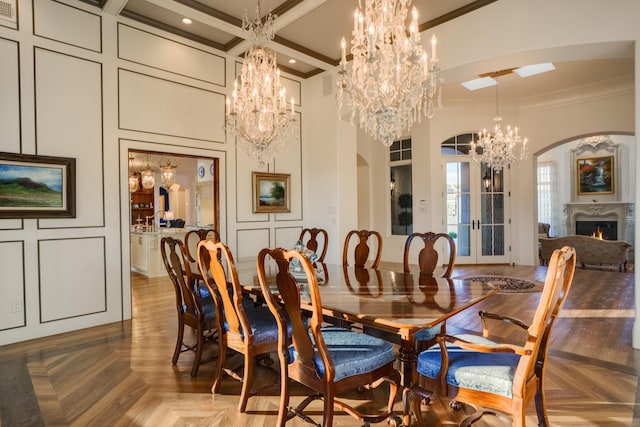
[608,229]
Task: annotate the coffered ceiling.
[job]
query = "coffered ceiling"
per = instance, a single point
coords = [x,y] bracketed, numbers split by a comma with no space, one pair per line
[309,32]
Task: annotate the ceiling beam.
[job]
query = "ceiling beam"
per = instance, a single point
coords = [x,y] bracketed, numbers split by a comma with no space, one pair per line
[114,7]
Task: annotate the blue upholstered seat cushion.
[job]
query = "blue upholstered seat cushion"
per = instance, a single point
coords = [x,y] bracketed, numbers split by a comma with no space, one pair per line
[352,352]
[490,372]
[209,311]
[263,324]
[428,334]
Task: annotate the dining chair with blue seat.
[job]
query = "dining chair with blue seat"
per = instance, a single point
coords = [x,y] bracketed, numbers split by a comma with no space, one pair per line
[427,262]
[193,310]
[498,377]
[329,360]
[244,327]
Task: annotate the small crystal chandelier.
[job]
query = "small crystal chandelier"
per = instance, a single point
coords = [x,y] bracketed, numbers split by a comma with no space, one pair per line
[257,111]
[390,82]
[168,174]
[500,149]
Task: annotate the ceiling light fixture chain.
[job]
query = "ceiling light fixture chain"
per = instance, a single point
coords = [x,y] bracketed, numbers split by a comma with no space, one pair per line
[500,149]
[390,82]
[257,111]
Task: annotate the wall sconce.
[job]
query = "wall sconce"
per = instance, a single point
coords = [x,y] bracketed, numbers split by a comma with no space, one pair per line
[392,184]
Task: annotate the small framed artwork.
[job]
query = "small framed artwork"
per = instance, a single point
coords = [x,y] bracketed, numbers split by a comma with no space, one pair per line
[272,192]
[596,175]
[37,186]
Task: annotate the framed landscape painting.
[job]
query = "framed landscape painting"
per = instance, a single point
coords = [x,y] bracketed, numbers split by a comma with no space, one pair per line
[272,192]
[37,186]
[596,175]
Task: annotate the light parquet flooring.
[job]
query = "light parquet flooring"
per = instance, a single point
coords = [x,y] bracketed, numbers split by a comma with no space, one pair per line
[121,374]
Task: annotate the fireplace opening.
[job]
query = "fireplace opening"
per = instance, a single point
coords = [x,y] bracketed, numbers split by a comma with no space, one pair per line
[608,229]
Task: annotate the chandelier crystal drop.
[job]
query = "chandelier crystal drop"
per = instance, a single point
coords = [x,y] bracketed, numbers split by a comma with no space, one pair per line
[258,113]
[500,149]
[390,82]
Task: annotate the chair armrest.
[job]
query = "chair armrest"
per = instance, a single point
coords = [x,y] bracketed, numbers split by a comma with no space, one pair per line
[482,348]
[485,316]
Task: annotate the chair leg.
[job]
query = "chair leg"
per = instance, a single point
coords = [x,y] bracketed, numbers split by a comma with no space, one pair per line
[329,397]
[284,393]
[222,356]
[178,350]
[198,355]
[541,406]
[246,381]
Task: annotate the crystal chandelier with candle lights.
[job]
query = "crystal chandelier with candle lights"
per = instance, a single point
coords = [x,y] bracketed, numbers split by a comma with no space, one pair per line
[258,112]
[390,82]
[500,149]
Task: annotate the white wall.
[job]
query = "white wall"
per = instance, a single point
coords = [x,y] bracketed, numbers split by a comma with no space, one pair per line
[82,84]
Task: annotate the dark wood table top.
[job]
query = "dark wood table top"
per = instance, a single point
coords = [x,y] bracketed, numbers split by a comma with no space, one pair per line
[388,300]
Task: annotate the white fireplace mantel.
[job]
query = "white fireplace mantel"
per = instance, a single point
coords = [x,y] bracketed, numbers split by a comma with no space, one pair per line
[621,212]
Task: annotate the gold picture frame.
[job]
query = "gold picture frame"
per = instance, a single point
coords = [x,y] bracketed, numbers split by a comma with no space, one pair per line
[596,175]
[272,192]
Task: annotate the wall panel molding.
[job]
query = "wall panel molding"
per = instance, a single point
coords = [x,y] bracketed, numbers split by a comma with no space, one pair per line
[160,106]
[81,28]
[72,278]
[72,129]
[143,47]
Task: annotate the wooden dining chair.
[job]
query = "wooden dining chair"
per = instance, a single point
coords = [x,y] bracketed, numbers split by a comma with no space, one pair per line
[329,360]
[191,240]
[193,311]
[243,327]
[193,237]
[427,262]
[362,250]
[428,256]
[313,244]
[477,371]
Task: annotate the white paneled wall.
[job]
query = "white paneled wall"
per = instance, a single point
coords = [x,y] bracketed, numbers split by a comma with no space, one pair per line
[81,28]
[72,279]
[69,124]
[10,99]
[155,105]
[77,83]
[12,311]
[164,54]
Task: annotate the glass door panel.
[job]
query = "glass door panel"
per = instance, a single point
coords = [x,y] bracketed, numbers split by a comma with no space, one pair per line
[476,212]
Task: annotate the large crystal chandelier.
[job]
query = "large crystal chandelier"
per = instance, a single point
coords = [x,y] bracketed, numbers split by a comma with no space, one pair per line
[501,148]
[391,82]
[257,112]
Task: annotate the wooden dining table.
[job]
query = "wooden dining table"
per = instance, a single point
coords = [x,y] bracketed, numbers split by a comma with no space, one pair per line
[390,303]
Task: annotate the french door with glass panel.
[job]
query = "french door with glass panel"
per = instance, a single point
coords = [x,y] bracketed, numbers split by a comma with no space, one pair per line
[477,212]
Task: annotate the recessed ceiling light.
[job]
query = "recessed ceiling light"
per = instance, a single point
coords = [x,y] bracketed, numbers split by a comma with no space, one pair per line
[531,70]
[480,83]
[292,61]
[186,21]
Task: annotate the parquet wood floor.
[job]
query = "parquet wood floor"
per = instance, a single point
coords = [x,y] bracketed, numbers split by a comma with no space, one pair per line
[121,374]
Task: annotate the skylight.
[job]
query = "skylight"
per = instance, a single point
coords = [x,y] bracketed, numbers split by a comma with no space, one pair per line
[479,83]
[531,70]
[524,71]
